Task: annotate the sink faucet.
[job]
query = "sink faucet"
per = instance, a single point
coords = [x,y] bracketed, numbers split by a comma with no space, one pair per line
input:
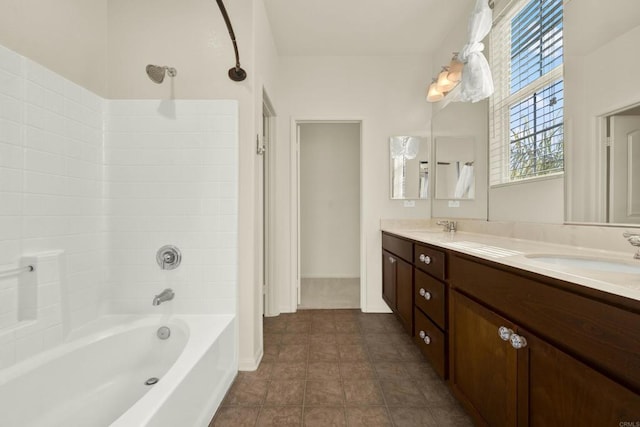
[634,239]
[448,225]
[166,295]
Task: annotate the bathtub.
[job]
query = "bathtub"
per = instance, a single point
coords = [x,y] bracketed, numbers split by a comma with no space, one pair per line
[97,377]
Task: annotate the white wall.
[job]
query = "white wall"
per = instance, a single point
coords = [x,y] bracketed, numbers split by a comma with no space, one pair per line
[50,200]
[388,95]
[588,96]
[330,200]
[68,37]
[171,171]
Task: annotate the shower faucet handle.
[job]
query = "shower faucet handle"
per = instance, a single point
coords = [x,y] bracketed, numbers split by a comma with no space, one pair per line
[169,257]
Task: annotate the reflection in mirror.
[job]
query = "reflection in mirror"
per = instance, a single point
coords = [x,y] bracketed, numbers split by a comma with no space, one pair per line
[623,166]
[455,175]
[409,166]
[601,148]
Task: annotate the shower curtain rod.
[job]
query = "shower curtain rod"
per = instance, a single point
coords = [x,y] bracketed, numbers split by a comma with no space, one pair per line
[236,73]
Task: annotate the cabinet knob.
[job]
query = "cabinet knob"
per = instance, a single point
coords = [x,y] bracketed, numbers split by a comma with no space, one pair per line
[421,257]
[392,260]
[427,340]
[422,334]
[505,333]
[425,294]
[425,258]
[518,341]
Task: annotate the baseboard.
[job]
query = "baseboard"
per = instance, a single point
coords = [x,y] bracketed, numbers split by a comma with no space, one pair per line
[251,364]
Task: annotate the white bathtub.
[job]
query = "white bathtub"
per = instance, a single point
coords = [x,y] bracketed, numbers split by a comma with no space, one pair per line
[97,377]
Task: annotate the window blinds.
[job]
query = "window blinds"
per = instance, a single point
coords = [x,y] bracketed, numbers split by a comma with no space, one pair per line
[526,128]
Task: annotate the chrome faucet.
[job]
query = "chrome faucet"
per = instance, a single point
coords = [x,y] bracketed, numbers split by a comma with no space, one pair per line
[166,295]
[634,239]
[448,225]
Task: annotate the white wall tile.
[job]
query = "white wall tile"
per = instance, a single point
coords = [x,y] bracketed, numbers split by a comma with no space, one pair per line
[158,173]
[51,184]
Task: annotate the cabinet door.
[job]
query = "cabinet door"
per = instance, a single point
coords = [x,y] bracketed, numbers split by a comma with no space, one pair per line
[404,294]
[483,366]
[389,262]
[555,388]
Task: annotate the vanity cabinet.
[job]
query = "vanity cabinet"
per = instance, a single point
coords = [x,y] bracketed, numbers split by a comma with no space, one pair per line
[397,278]
[528,353]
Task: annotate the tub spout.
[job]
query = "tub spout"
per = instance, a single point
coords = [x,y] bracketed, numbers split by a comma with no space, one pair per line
[166,295]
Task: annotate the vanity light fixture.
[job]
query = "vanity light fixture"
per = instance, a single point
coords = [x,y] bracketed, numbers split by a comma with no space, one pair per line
[446,81]
[476,83]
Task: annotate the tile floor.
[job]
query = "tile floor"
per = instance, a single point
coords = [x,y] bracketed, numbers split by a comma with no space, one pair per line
[324,293]
[339,368]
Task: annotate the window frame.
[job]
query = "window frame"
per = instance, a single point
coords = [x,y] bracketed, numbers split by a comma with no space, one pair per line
[502,100]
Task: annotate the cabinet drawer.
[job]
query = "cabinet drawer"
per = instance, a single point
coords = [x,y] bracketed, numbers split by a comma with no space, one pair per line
[434,351]
[430,297]
[401,247]
[429,260]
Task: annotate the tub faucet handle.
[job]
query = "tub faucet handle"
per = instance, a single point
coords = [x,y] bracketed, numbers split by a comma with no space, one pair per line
[634,240]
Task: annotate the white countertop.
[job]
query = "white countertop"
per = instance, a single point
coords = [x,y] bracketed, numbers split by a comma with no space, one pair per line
[513,252]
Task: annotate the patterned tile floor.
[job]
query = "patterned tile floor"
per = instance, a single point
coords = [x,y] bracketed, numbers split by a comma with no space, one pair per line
[339,368]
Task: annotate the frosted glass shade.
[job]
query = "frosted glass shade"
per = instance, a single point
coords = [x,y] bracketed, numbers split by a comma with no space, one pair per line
[433,94]
[455,70]
[444,84]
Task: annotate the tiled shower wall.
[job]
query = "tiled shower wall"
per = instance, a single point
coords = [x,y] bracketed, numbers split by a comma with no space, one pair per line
[90,189]
[171,179]
[50,200]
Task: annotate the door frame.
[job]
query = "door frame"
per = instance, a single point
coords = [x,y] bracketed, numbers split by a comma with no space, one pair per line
[294,287]
[269,292]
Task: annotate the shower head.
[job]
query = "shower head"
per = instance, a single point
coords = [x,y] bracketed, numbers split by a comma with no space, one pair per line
[156,72]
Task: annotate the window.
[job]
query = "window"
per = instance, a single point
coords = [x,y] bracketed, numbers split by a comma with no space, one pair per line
[526,129]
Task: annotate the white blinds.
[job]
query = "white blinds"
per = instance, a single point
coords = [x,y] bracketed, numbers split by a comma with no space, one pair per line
[526,126]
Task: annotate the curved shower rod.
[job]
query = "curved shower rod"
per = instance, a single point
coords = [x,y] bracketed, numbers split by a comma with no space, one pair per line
[236,73]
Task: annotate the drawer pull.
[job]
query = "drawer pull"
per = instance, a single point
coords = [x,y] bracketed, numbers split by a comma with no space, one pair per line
[518,341]
[425,294]
[392,260]
[505,333]
[425,258]
[424,337]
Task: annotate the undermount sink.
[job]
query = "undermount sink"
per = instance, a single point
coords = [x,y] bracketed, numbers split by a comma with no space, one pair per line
[597,264]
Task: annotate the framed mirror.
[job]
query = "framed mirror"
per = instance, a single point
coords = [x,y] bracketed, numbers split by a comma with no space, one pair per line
[455,174]
[409,167]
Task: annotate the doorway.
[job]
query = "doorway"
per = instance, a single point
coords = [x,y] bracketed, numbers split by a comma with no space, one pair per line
[329,214]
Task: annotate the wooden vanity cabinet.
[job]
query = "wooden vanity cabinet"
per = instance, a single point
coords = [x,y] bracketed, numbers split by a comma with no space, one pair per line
[518,377]
[397,278]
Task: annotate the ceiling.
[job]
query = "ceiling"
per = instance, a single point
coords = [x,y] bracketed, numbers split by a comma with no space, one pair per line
[362,27]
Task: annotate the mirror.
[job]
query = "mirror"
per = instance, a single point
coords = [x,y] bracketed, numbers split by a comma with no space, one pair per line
[602,147]
[409,167]
[455,174]
[623,166]
[460,134]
